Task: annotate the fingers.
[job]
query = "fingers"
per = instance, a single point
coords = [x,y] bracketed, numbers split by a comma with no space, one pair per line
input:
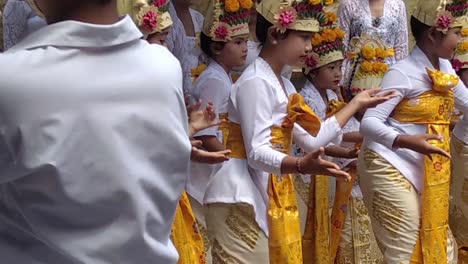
[328,164]
[373,92]
[433,137]
[316,154]
[436,150]
[339,174]
[196,143]
[388,94]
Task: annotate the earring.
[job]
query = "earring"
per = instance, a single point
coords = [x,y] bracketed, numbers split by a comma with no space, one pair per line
[274,42]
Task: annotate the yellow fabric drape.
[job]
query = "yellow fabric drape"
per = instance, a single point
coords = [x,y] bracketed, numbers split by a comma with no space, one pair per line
[433,108]
[340,205]
[185,234]
[321,240]
[224,127]
[283,216]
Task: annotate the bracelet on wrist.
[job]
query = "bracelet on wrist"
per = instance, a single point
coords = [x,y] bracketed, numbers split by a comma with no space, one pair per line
[299,166]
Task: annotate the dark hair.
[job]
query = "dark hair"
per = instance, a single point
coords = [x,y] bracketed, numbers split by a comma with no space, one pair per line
[261,30]
[206,45]
[418,28]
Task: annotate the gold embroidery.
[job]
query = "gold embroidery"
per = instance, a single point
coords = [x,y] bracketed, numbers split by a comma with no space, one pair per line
[302,188]
[241,220]
[204,234]
[465,192]
[459,226]
[371,158]
[388,215]
[220,256]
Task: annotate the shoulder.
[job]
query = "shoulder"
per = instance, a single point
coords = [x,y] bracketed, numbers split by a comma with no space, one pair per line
[158,54]
[198,17]
[347,4]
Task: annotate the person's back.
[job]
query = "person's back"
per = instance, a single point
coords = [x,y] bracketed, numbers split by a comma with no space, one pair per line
[94,146]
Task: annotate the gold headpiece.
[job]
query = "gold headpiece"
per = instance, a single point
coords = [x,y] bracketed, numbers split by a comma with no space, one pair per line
[441,14]
[151,16]
[226,19]
[327,45]
[301,15]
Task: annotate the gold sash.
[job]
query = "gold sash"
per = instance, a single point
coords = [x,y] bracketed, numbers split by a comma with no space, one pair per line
[434,109]
[185,234]
[224,127]
[321,240]
[283,214]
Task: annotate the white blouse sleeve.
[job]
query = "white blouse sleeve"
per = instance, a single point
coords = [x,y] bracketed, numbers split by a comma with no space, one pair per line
[344,20]
[176,43]
[330,131]
[374,123]
[461,97]
[211,91]
[401,40]
[254,101]
[15,19]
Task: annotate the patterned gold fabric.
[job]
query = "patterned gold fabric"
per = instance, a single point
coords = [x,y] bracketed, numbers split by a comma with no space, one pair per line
[340,206]
[234,234]
[285,244]
[283,214]
[433,108]
[316,240]
[459,191]
[395,209]
[321,240]
[185,234]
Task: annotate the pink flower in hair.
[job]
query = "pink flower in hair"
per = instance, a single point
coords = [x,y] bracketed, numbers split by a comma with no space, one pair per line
[443,21]
[457,64]
[221,32]
[150,20]
[311,61]
[159,3]
[285,18]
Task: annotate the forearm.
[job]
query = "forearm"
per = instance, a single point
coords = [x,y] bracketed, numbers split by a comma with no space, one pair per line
[343,116]
[211,143]
[353,137]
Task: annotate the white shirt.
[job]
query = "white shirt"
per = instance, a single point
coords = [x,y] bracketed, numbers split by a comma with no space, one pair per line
[176,43]
[195,56]
[409,79]
[213,85]
[19,20]
[258,102]
[313,98]
[461,129]
[94,146]
[184,47]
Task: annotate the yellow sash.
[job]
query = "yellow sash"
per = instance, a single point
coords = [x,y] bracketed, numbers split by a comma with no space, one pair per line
[224,126]
[283,214]
[185,235]
[321,240]
[434,109]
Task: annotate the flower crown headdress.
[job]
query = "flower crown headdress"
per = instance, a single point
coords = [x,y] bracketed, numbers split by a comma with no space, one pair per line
[151,16]
[460,61]
[441,14]
[226,19]
[327,45]
[301,15]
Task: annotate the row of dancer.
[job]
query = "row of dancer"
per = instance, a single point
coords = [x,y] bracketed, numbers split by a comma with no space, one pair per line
[95,174]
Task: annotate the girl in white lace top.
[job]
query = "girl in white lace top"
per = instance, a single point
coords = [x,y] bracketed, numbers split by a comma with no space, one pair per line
[384,19]
[19,20]
[182,40]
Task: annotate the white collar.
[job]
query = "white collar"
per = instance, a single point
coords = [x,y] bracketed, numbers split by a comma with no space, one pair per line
[75,34]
